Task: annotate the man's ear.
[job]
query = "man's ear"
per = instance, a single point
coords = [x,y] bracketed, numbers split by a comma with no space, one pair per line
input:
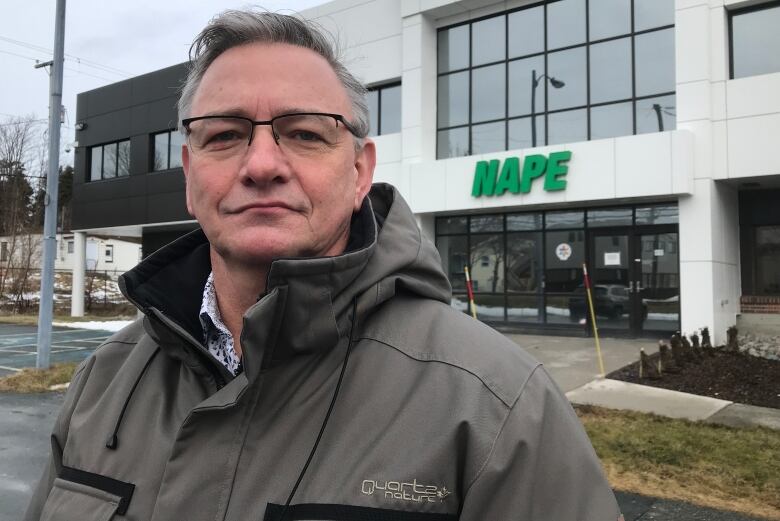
[365,162]
[185,165]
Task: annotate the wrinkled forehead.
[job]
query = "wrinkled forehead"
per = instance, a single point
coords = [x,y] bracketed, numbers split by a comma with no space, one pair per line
[263,80]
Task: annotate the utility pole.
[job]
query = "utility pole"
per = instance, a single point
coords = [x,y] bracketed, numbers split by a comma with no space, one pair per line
[46,309]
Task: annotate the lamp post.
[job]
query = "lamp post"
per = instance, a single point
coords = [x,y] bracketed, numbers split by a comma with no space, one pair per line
[535,83]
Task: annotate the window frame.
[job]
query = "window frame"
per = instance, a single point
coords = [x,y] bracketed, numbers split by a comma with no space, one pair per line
[544,112]
[378,89]
[109,257]
[731,13]
[153,149]
[101,147]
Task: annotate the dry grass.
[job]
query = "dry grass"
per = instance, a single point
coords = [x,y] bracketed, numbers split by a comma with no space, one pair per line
[37,380]
[32,320]
[710,465]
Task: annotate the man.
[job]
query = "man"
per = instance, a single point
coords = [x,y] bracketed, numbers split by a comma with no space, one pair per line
[298,358]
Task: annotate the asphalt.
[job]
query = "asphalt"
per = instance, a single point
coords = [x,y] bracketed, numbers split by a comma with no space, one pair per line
[26,420]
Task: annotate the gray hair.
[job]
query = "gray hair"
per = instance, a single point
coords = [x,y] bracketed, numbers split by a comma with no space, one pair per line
[233,28]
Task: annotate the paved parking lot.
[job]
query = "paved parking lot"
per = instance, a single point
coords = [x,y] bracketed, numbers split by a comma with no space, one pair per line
[19,344]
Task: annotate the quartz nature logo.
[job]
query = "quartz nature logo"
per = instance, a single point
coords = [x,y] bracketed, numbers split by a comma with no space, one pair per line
[405,491]
[489,180]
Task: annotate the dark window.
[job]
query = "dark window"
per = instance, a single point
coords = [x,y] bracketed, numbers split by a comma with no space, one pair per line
[755,40]
[767,260]
[109,160]
[166,150]
[109,253]
[70,247]
[556,72]
[3,251]
[384,109]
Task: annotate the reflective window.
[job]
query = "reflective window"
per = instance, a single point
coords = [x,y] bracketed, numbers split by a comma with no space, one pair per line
[167,150]
[526,32]
[611,120]
[525,308]
[488,39]
[657,215]
[96,164]
[564,254]
[654,62]
[565,23]
[767,260]
[609,18]
[567,127]
[569,67]
[616,217]
[453,49]
[487,263]
[384,109]
[453,99]
[454,257]
[109,160]
[755,41]
[452,224]
[487,223]
[564,220]
[610,71]
[177,141]
[488,137]
[123,158]
[524,268]
[488,95]
[584,68]
[523,221]
[655,114]
[524,92]
[649,14]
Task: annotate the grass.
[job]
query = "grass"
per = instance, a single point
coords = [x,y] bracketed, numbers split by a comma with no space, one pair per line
[32,319]
[710,465]
[38,380]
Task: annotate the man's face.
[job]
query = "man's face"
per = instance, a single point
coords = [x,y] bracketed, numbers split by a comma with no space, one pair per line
[263,202]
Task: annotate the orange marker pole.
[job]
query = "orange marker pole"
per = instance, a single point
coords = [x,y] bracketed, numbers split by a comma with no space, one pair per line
[470,290]
[593,317]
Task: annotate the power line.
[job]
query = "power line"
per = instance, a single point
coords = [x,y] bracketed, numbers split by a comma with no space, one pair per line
[82,61]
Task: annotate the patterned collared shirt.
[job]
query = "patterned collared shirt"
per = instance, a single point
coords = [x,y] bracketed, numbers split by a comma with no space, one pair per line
[216,335]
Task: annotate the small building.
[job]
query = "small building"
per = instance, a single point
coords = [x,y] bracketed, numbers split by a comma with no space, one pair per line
[529,137]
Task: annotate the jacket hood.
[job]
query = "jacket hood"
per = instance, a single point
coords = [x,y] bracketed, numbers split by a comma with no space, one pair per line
[306,303]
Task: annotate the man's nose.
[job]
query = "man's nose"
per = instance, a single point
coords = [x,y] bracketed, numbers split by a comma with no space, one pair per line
[264,160]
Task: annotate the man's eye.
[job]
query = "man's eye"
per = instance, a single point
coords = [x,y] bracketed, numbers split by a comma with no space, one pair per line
[225,137]
[306,135]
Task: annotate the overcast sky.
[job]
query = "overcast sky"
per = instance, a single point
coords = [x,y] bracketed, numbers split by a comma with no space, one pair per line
[105,42]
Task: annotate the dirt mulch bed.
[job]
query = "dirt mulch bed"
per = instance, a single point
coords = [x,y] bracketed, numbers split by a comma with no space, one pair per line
[735,377]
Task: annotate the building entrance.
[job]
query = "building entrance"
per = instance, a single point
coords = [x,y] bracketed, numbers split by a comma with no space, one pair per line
[636,282]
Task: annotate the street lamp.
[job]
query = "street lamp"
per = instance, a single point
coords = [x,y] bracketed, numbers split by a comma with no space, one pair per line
[535,83]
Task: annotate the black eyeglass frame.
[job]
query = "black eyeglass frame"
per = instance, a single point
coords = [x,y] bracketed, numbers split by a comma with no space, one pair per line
[186,122]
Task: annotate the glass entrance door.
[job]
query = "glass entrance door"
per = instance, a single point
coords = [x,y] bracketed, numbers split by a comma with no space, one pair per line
[636,283]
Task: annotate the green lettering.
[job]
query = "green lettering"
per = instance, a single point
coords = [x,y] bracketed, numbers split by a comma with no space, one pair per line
[510,176]
[485,178]
[533,167]
[556,170]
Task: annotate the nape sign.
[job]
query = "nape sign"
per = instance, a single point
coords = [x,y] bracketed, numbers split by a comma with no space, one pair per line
[488,180]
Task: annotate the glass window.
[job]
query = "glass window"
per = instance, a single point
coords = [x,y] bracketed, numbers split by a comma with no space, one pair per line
[488,40]
[616,217]
[523,221]
[755,42]
[524,269]
[527,132]
[652,13]
[109,160]
[488,137]
[570,68]
[453,99]
[522,94]
[123,158]
[654,62]
[96,163]
[452,224]
[454,257]
[390,110]
[454,48]
[453,142]
[525,308]
[657,215]
[609,18]
[109,253]
[564,219]
[610,70]
[70,247]
[768,260]
[564,254]
[526,32]
[567,127]
[487,223]
[488,94]
[161,151]
[177,141]
[655,114]
[372,100]
[4,251]
[611,120]
[487,263]
[565,23]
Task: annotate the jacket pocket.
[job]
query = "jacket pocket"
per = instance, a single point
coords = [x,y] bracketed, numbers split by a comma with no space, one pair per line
[69,501]
[330,512]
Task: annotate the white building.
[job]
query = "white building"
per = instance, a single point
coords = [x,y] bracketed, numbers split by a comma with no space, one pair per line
[637,136]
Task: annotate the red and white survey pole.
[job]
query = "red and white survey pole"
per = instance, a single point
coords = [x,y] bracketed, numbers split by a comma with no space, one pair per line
[593,317]
[470,290]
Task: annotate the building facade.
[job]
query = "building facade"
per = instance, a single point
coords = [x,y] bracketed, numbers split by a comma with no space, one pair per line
[636,137]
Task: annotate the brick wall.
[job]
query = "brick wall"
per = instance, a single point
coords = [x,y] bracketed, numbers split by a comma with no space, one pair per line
[760,304]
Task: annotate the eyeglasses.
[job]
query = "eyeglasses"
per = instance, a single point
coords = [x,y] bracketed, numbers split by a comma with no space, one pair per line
[304,134]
